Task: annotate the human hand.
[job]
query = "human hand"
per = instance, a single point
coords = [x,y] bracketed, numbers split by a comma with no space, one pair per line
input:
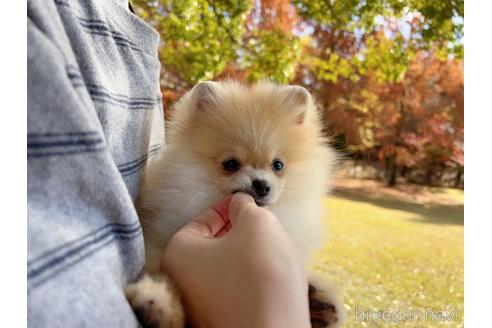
[247,275]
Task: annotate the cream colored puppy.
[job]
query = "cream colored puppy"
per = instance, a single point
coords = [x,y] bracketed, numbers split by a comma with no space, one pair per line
[225,137]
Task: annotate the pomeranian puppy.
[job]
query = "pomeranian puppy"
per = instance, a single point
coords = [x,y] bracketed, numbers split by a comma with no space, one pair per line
[224,137]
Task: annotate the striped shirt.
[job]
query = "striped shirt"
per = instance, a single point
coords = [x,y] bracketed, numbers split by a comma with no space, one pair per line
[94,120]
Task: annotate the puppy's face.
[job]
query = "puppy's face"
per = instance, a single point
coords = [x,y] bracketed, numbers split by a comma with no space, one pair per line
[262,174]
[249,138]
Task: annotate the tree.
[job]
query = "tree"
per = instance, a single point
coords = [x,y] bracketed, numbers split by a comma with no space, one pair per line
[414,124]
[198,37]
[387,74]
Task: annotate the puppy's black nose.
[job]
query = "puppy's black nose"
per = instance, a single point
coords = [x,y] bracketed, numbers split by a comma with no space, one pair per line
[261,187]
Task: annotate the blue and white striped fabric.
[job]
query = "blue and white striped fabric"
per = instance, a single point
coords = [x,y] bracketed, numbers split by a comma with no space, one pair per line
[94,120]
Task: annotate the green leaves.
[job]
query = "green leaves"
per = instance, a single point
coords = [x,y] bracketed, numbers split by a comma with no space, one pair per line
[272,55]
[380,36]
[198,37]
[348,39]
[331,68]
[388,59]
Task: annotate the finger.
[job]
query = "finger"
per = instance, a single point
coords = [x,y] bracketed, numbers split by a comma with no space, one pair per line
[213,222]
[239,201]
[222,208]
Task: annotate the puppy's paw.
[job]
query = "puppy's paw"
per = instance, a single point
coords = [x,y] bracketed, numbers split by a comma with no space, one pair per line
[156,303]
[325,305]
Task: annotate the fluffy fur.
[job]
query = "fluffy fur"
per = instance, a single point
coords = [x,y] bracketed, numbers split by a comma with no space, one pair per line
[255,126]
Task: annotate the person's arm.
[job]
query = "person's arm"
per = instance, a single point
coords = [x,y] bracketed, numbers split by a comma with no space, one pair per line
[249,276]
[84,239]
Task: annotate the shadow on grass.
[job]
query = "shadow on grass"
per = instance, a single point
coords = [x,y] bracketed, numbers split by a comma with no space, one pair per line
[436,214]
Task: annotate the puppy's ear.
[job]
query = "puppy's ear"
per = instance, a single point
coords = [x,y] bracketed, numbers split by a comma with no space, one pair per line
[298,100]
[205,95]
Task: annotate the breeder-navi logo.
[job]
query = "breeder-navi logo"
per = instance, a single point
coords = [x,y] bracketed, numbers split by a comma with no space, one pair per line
[404,315]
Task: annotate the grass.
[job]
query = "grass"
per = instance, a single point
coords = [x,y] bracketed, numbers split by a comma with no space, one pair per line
[391,253]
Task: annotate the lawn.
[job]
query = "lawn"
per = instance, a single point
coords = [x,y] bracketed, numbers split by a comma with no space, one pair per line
[396,250]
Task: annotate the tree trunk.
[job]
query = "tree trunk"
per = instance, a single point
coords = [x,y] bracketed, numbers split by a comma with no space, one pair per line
[428,176]
[391,171]
[457,179]
[403,171]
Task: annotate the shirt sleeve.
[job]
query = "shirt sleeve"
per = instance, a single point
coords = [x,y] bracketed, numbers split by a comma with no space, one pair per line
[84,239]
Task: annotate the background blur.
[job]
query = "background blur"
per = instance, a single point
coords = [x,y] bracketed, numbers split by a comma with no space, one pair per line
[388,78]
[388,75]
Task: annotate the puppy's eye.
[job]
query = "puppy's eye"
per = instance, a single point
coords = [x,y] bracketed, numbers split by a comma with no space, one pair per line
[231,165]
[277,165]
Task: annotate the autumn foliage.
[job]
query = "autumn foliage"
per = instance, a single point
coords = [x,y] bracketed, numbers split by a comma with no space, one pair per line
[388,75]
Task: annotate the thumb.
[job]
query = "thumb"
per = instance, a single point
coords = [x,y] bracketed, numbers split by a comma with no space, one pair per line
[240,201]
